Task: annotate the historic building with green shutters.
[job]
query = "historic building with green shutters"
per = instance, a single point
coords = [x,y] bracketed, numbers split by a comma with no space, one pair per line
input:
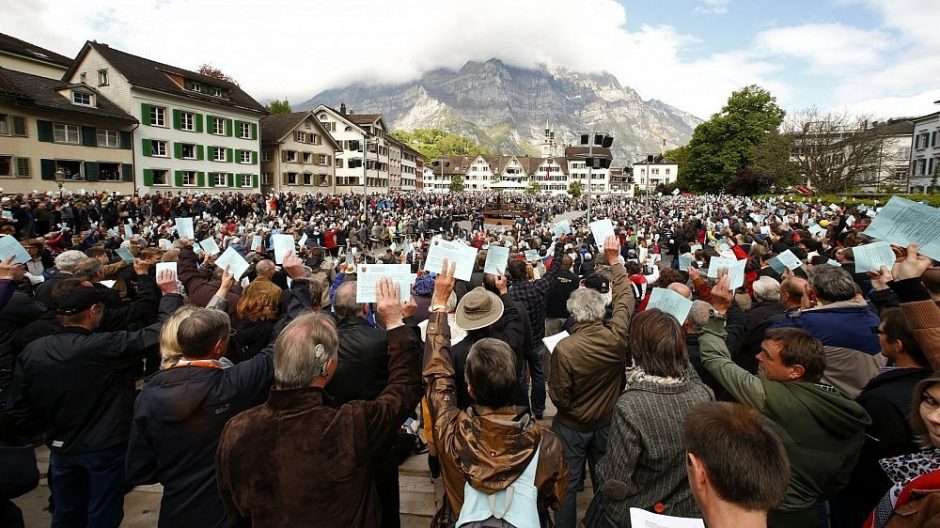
[196,133]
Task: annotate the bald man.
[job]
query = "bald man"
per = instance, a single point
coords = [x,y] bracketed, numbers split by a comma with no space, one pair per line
[682,290]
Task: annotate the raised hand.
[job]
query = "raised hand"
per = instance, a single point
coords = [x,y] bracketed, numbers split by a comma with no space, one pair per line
[722,295]
[911,266]
[388,306]
[444,283]
[11,271]
[612,250]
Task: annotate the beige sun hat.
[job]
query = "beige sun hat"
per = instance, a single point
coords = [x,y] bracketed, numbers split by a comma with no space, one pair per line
[479,308]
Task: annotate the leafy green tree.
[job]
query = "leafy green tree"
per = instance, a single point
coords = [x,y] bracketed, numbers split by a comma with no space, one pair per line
[533,188]
[771,158]
[278,107]
[574,189]
[435,142]
[456,183]
[723,145]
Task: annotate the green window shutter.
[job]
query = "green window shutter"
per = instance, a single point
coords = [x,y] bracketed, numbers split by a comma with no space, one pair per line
[47,169]
[178,150]
[22,168]
[228,154]
[89,136]
[145,113]
[231,179]
[19,126]
[200,152]
[254,157]
[91,171]
[254,180]
[237,126]
[211,181]
[177,119]
[198,119]
[126,139]
[201,179]
[146,148]
[179,178]
[44,131]
[229,127]
[148,177]
[127,172]
[238,156]
[254,132]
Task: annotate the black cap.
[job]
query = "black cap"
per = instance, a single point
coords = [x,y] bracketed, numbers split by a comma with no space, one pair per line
[597,282]
[77,300]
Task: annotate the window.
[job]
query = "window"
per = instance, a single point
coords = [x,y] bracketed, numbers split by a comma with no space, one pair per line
[109,172]
[81,98]
[189,178]
[159,177]
[246,180]
[187,121]
[158,148]
[667,172]
[307,178]
[83,77]
[315,139]
[245,130]
[266,178]
[22,167]
[158,116]
[218,126]
[6,165]
[218,92]
[218,154]
[4,125]
[102,77]
[290,155]
[246,156]
[339,163]
[66,133]
[291,178]
[219,179]
[265,155]
[72,169]
[108,138]
[306,157]
[188,151]
[323,159]
[300,136]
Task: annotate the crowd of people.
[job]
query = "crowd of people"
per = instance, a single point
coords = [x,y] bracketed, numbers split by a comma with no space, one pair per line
[805,396]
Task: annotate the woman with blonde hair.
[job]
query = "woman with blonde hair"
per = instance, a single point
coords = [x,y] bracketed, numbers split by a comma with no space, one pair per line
[170,352]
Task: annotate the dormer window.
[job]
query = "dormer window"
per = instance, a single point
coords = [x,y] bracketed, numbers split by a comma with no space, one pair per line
[217,92]
[82,98]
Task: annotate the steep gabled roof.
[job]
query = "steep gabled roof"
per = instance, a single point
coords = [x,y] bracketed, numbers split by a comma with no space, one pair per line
[275,128]
[336,113]
[153,75]
[31,51]
[43,92]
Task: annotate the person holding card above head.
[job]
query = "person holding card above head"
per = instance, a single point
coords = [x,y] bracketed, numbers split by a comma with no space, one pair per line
[79,384]
[737,466]
[268,454]
[586,375]
[180,412]
[533,296]
[199,289]
[821,429]
[853,356]
[498,464]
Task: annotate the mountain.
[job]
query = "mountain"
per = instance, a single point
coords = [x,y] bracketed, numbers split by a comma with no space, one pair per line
[506,108]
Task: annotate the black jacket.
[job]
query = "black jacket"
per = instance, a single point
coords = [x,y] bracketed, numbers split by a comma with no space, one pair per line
[19,311]
[362,371]
[43,292]
[556,305]
[80,384]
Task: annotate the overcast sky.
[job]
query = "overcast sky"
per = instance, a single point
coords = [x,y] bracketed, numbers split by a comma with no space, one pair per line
[878,57]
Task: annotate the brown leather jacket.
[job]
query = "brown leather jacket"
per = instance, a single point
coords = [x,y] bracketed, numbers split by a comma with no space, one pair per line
[489,448]
[588,366]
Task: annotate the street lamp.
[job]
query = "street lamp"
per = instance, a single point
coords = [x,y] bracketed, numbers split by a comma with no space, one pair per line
[60,179]
[602,140]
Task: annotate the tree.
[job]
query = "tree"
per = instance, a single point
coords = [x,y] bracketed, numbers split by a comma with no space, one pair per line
[834,150]
[574,189]
[278,107]
[723,145]
[211,71]
[435,142]
[533,188]
[456,183]
[771,158]
[748,182]
[680,155]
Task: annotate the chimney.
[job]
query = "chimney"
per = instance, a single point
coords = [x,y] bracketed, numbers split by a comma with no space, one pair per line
[342,108]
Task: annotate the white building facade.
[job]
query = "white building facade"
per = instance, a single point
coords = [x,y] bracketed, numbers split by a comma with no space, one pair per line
[925,152]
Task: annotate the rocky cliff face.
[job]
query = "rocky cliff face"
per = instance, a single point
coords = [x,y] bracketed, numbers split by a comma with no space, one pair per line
[506,109]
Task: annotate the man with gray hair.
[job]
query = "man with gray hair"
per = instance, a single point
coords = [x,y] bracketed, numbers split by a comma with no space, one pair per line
[65,265]
[843,325]
[587,376]
[179,414]
[297,458]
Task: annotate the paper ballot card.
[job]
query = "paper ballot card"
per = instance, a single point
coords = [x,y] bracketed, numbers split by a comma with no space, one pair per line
[233,262]
[670,302]
[735,270]
[10,247]
[455,252]
[496,259]
[125,255]
[601,229]
[871,257]
[255,242]
[184,228]
[902,222]
[210,246]
[562,227]
[790,260]
[531,255]
[552,341]
[166,266]
[282,245]
[368,275]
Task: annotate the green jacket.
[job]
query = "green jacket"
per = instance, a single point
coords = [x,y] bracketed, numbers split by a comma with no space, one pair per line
[822,430]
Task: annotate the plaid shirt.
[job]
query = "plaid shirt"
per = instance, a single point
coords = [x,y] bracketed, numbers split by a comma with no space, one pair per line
[533,295]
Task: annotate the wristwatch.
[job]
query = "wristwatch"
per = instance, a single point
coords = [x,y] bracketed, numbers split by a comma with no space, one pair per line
[438,307]
[715,314]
